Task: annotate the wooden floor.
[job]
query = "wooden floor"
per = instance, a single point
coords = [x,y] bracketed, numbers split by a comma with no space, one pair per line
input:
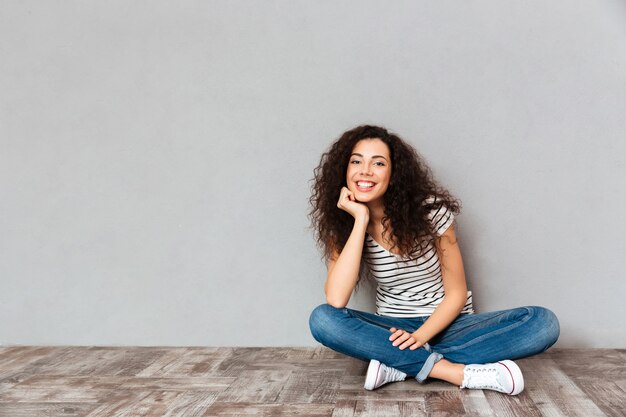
[164,381]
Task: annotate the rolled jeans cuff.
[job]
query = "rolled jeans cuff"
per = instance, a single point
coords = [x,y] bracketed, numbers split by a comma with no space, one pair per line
[432,359]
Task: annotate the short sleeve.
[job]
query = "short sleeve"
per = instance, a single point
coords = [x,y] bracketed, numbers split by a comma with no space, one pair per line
[441,217]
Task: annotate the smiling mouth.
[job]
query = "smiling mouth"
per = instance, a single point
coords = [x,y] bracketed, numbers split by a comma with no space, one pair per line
[364,185]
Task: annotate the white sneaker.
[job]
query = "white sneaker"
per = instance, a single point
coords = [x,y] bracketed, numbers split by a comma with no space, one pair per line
[504,376]
[379,374]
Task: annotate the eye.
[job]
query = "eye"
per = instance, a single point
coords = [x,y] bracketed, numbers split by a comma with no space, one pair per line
[382,164]
[352,162]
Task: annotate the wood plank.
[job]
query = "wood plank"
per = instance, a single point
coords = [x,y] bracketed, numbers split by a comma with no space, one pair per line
[256,387]
[475,403]
[621,383]
[307,386]
[60,388]
[520,405]
[375,408]
[25,409]
[21,358]
[606,394]
[344,408]
[355,383]
[115,405]
[122,361]
[244,359]
[554,393]
[150,404]
[269,410]
[444,403]
[412,408]
[606,363]
[12,379]
[322,352]
[83,361]
[191,404]
[187,362]
[184,404]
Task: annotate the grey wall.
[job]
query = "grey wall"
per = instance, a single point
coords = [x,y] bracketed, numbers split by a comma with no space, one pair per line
[155,158]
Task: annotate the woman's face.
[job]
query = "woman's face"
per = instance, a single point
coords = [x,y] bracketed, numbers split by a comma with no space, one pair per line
[369,170]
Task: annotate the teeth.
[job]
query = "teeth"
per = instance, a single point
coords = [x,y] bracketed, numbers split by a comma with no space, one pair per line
[365,184]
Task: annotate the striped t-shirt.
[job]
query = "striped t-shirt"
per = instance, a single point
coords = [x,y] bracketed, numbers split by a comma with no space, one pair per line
[410,287]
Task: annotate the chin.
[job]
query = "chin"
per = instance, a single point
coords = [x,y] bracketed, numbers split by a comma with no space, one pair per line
[365,197]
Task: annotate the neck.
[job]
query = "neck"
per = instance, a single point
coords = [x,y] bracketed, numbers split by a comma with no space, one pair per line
[377,211]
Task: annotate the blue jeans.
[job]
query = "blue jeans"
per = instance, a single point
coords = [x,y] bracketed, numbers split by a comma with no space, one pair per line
[470,338]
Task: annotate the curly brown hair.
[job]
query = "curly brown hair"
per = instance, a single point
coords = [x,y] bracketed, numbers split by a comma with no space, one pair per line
[406,210]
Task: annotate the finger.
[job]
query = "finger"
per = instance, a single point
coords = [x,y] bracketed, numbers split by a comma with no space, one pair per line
[344,196]
[396,334]
[401,339]
[409,342]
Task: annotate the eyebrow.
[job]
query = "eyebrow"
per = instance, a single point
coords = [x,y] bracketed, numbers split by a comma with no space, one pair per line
[375,156]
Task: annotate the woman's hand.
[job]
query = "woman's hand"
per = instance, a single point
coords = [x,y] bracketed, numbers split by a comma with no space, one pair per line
[405,339]
[347,202]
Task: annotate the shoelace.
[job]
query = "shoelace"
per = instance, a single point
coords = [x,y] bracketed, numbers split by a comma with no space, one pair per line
[483,377]
[393,374]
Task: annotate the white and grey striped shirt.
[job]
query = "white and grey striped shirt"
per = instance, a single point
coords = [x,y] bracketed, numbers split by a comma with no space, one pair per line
[410,287]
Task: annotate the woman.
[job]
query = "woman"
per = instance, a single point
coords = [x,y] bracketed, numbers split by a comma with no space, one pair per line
[379,215]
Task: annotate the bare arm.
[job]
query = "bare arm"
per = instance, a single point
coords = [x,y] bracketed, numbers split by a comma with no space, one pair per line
[455,289]
[343,269]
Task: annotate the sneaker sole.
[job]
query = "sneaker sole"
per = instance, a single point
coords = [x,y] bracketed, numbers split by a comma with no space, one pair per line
[516,375]
[372,375]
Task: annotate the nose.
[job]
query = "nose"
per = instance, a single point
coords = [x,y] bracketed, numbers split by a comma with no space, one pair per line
[366,169]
